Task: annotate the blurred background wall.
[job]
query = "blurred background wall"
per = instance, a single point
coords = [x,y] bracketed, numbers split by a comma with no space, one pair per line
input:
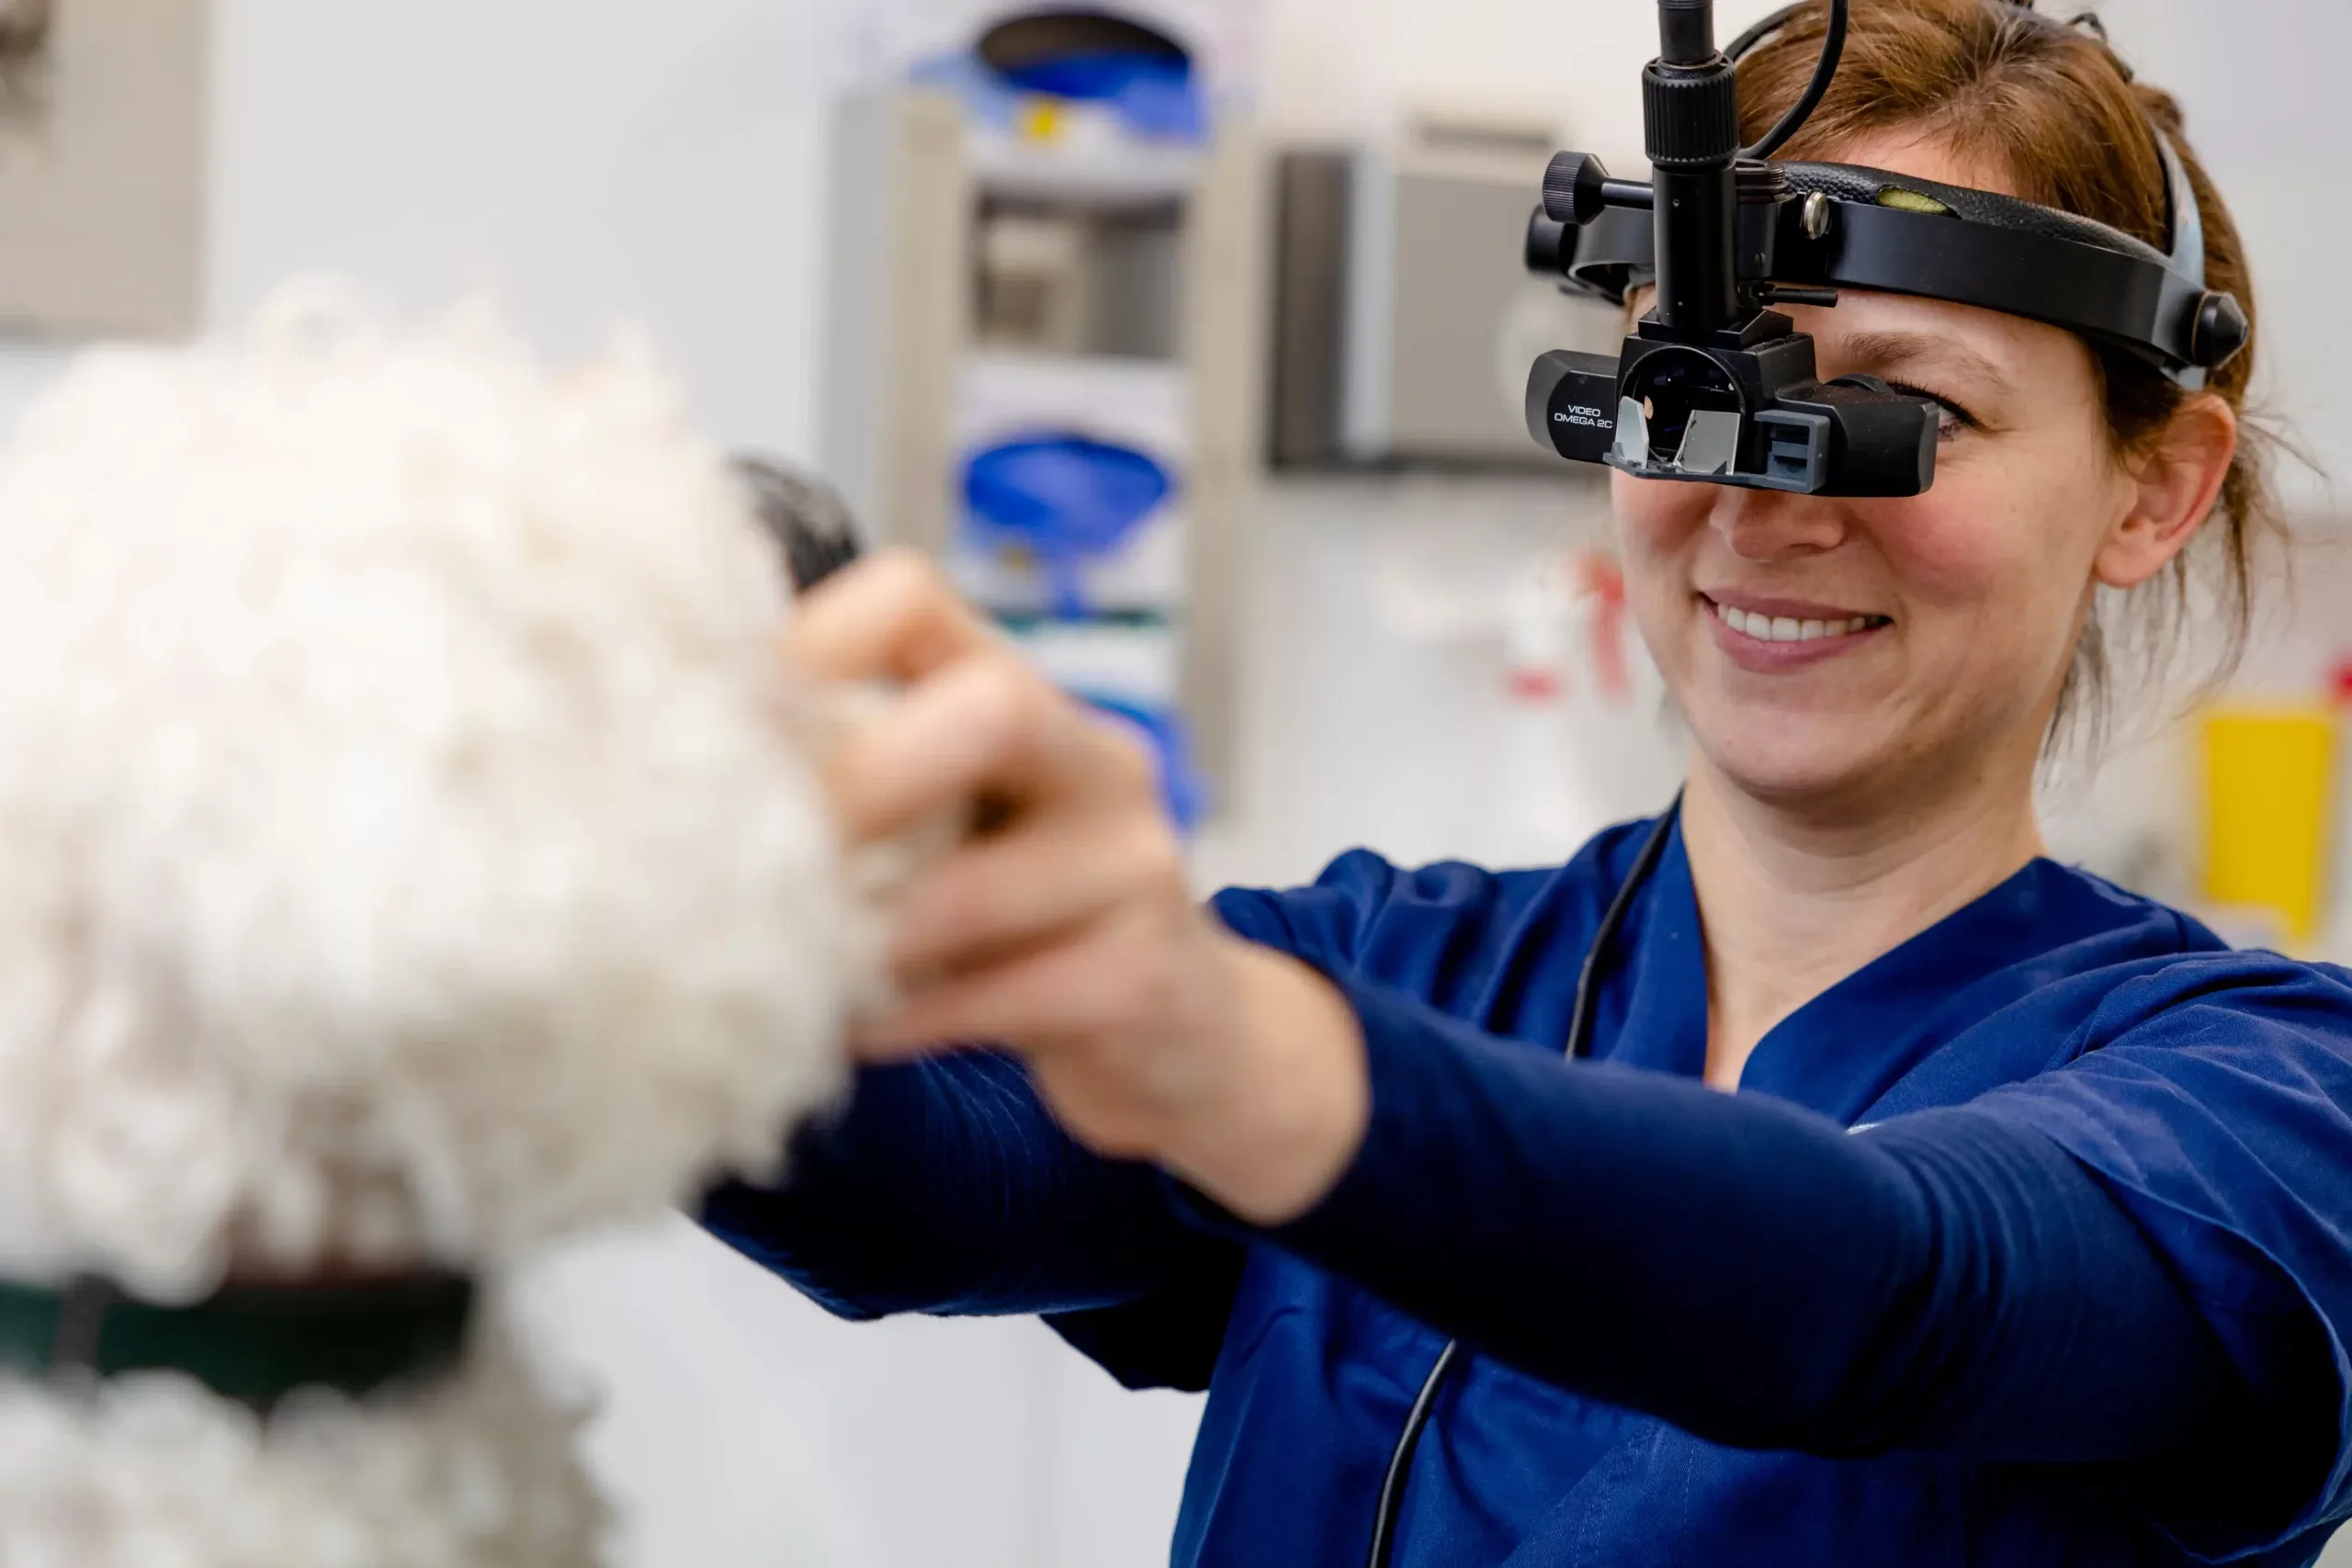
[666,164]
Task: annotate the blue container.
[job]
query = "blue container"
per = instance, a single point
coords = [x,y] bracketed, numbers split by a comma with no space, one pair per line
[1065,498]
[1081,54]
[1155,96]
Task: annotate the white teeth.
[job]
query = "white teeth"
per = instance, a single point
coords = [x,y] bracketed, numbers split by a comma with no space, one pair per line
[1784,628]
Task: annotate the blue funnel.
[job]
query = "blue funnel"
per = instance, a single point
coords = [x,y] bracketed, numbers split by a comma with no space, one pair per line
[1065,498]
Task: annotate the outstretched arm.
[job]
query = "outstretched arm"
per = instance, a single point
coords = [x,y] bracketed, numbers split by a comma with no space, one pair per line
[946,1187]
[1753,1273]
[1745,1269]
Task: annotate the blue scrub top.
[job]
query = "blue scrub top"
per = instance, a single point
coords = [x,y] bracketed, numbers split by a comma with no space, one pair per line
[2209,1091]
[2182,1073]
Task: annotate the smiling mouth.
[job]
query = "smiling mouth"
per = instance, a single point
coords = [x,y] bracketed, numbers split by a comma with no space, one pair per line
[1784,628]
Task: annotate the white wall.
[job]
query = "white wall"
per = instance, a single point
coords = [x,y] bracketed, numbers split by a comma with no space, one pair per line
[1356,64]
[584,162]
[25,368]
[1358,727]
[2262,109]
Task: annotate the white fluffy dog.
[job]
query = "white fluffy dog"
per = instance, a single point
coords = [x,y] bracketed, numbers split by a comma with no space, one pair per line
[410,854]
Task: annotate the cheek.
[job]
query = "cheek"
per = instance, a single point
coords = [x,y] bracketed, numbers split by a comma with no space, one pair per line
[1947,551]
[1998,535]
[1650,513]
[1658,525]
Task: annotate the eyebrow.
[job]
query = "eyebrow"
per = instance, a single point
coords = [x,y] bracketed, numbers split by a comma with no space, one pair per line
[1895,351]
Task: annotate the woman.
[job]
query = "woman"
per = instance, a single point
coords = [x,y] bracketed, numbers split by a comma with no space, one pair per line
[2074,1294]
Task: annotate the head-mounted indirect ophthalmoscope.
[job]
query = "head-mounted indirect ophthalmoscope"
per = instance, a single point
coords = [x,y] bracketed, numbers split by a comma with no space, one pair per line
[1715,386]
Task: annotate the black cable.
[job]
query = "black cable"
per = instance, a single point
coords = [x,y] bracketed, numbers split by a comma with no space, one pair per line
[1400,1461]
[1833,49]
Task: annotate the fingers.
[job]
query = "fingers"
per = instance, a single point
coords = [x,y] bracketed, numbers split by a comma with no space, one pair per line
[978,731]
[1099,983]
[998,895]
[986,728]
[893,618]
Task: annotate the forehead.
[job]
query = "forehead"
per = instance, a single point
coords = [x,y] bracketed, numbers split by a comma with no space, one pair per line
[2026,351]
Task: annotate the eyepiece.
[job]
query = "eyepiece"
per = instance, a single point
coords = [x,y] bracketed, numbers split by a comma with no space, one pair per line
[1692,407]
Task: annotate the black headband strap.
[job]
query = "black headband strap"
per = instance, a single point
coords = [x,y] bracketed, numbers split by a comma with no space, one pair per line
[2173,320]
[2183,222]
[2187,219]
[1855,228]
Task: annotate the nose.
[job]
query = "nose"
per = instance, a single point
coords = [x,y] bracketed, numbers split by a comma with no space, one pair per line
[1773,525]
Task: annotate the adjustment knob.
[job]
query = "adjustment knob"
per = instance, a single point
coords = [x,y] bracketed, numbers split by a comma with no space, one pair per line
[1550,246]
[2221,331]
[1572,189]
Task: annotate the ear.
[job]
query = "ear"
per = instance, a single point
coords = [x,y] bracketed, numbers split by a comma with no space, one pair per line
[2175,484]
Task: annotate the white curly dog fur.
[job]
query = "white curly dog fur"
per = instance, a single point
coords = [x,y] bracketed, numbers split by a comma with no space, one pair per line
[410,854]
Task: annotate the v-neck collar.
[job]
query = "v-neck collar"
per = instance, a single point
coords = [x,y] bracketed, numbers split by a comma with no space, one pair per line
[1843,1050]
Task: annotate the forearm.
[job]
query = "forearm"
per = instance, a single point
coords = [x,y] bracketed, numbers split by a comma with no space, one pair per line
[1750,1272]
[946,1187]
[1276,1110]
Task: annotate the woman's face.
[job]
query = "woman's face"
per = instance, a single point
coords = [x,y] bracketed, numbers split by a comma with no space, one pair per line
[1821,646]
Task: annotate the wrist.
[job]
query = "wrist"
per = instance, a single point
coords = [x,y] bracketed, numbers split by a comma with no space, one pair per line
[1296,1099]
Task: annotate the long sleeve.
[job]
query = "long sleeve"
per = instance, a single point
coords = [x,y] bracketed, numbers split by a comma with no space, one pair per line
[946,1187]
[1751,1272]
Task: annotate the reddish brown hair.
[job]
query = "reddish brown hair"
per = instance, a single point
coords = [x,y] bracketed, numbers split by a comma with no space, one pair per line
[2053,108]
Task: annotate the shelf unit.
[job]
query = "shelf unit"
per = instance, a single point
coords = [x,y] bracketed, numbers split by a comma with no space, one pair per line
[908,362]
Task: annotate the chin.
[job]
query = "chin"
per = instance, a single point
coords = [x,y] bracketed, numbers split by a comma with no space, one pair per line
[1783,758]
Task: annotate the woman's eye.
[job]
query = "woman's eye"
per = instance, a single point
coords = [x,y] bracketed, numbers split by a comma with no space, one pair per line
[1950,418]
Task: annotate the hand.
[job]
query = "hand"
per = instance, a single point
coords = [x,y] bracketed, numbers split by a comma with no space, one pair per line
[1064,928]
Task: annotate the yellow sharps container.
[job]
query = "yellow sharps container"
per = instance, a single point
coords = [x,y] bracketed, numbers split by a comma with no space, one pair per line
[2269,812]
